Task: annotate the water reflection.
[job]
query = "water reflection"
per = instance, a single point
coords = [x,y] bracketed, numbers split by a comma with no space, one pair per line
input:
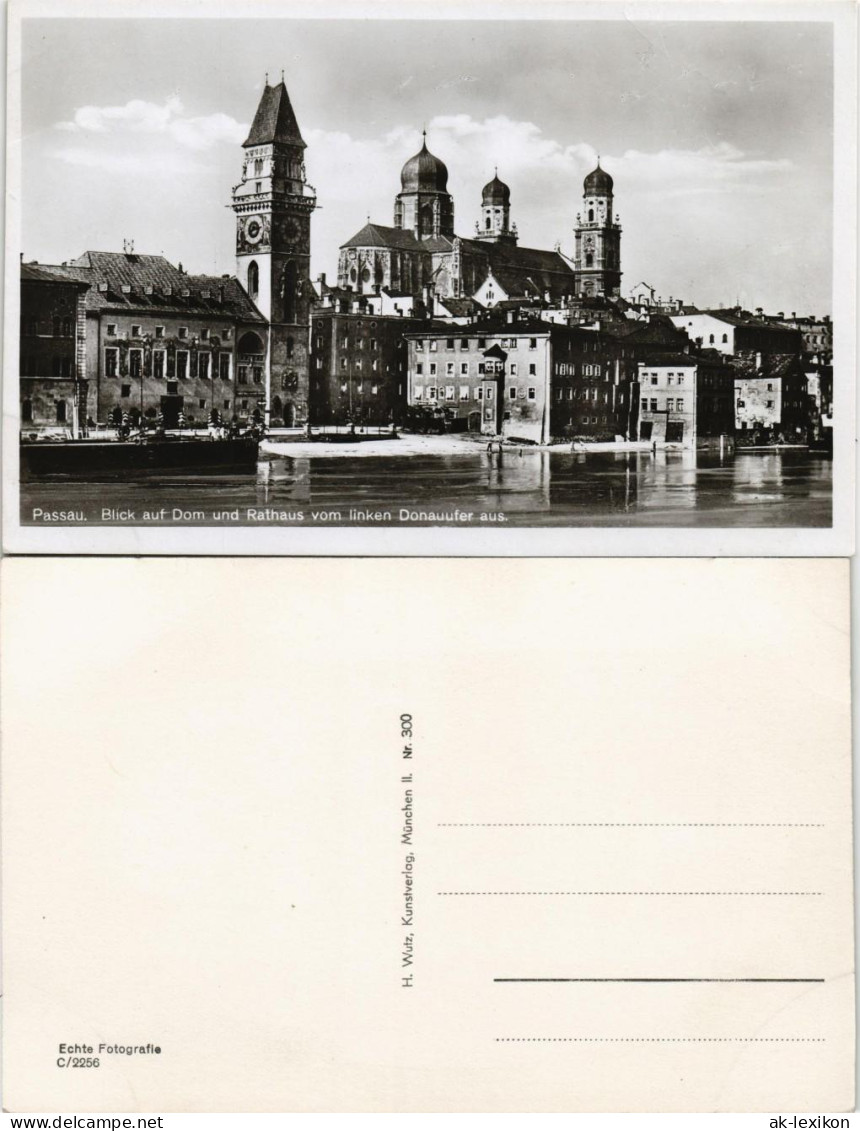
[530,487]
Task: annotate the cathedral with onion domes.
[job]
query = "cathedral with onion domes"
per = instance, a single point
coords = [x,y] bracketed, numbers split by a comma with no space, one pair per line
[420,254]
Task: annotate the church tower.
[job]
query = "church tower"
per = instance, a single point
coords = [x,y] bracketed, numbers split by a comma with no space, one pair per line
[424,206]
[597,259]
[273,204]
[495,223]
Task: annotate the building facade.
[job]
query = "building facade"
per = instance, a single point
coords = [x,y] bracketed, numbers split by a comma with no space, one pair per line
[158,342]
[735,333]
[359,364]
[772,400]
[685,399]
[51,361]
[817,336]
[520,377]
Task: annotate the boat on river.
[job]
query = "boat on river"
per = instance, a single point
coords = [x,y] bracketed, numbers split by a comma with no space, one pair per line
[150,453]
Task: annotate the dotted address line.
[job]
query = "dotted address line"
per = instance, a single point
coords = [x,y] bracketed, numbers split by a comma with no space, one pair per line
[668,1040]
[625,825]
[733,893]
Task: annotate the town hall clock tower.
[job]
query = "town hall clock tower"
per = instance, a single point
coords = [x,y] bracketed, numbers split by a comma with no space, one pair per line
[273,204]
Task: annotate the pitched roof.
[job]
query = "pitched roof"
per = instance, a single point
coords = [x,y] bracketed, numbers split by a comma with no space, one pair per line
[38,273]
[460,307]
[489,326]
[527,271]
[275,120]
[674,359]
[520,258]
[772,365]
[379,235]
[156,286]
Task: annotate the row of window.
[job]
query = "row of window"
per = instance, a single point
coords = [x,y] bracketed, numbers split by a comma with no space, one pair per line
[182,332]
[27,411]
[672,404]
[358,323]
[464,369]
[372,343]
[568,369]
[584,395]
[671,378]
[432,344]
[360,388]
[61,328]
[449,393]
[159,363]
[356,364]
[33,366]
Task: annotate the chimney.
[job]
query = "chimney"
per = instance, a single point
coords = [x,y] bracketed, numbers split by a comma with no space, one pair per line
[321,278]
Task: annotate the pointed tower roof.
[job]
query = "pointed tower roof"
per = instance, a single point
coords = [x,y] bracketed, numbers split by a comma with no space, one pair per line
[275,120]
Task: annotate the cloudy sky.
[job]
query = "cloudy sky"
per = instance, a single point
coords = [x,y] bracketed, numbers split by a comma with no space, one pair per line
[718,135]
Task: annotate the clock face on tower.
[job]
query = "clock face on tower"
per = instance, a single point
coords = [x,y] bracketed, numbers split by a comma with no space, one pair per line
[292,231]
[254,230]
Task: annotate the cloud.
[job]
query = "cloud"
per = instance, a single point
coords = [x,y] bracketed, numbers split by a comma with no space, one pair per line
[348,166]
[671,200]
[168,120]
[141,164]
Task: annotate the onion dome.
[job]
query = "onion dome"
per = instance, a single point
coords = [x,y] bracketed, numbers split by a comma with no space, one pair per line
[424,173]
[598,182]
[496,192]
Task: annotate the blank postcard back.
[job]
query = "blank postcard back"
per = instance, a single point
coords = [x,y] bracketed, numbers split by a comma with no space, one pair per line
[427,836]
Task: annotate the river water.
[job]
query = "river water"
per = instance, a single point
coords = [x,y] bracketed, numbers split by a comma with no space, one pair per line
[517,488]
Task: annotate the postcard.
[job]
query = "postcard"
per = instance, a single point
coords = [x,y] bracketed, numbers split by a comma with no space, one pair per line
[403,835]
[518,278]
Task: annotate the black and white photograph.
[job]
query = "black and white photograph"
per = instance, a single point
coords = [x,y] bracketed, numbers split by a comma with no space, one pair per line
[514,281]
